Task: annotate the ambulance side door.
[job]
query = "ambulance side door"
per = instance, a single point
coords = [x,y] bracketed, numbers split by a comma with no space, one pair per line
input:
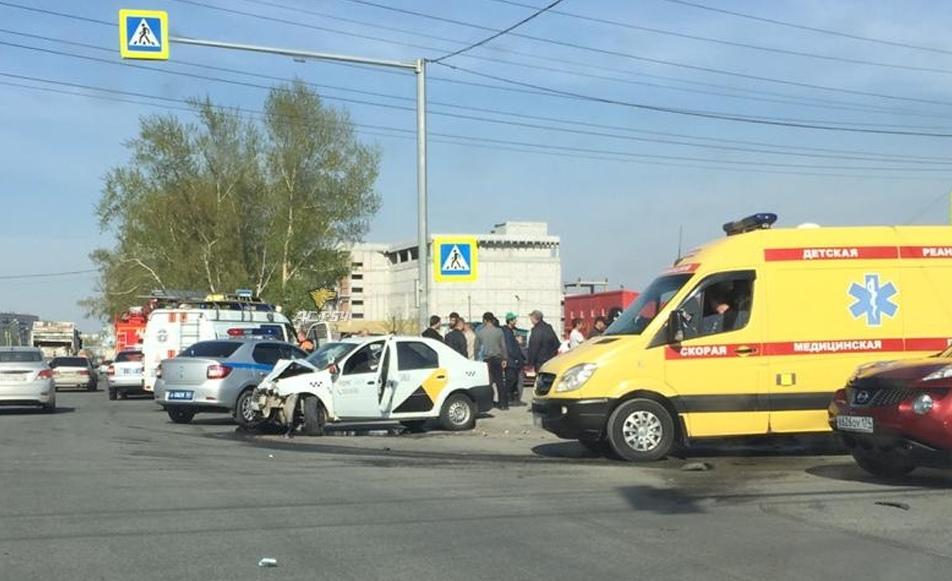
[419,379]
[718,370]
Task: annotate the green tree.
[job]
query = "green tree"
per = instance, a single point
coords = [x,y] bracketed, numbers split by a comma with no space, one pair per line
[227,202]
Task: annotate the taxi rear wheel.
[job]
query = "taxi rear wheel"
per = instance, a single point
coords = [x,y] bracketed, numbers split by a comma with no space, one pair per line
[641,430]
[458,413]
[882,465]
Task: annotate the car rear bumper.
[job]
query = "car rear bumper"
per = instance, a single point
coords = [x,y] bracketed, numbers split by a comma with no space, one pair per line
[127,383]
[572,419]
[27,393]
[77,381]
[211,396]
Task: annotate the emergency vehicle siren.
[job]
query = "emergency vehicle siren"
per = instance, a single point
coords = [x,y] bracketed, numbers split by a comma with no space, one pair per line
[760,221]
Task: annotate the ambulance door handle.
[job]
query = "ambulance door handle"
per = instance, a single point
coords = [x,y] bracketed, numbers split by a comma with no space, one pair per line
[745,350]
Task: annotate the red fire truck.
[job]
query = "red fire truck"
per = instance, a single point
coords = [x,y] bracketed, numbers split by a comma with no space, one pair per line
[589,306]
[130,328]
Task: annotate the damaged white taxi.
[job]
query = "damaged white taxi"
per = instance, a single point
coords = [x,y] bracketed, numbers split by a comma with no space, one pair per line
[411,380]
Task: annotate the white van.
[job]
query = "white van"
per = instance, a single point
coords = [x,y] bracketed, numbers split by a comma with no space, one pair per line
[170,330]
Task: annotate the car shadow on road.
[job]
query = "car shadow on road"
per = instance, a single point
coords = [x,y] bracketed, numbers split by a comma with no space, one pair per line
[25,411]
[850,472]
[659,500]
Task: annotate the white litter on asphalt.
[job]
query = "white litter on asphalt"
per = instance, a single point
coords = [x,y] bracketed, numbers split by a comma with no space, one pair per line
[268,562]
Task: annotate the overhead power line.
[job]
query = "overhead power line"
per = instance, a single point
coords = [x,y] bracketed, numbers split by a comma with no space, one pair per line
[500,33]
[47,274]
[817,29]
[711,143]
[724,42]
[511,142]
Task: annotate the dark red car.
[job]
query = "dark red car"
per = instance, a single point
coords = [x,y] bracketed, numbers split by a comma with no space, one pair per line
[895,416]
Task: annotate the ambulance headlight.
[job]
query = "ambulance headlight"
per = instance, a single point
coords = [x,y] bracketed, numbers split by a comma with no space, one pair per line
[575,377]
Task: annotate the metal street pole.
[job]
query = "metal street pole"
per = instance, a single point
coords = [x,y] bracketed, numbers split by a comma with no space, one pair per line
[419,68]
[423,233]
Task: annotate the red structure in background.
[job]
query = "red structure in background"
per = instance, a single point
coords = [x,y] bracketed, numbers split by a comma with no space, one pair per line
[589,306]
[130,328]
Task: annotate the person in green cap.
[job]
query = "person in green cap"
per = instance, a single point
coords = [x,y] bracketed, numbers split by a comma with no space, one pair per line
[513,372]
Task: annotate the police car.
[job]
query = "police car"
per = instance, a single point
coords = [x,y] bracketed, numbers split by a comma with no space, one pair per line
[412,380]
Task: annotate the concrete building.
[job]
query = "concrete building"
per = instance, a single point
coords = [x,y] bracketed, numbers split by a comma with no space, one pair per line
[520,269]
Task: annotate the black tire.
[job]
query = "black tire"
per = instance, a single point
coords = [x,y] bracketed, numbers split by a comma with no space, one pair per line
[414,426]
[113,394]
[122,394]
[882,465]
[314,416]
[50,407]
[91,386]
[641,430]
[180,415]
[458,413]
[243,414]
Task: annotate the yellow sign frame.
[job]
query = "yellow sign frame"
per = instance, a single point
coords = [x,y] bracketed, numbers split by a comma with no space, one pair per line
[163,18]
[439,243]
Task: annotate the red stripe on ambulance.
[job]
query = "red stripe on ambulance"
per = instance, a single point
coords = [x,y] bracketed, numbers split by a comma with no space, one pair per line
[925,251]
[829,347]
[831,253]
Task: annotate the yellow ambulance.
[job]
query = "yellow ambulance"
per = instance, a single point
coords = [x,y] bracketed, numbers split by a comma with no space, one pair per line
[752,334]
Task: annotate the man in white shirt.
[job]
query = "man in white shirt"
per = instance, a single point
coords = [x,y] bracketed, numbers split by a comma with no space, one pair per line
[576,337]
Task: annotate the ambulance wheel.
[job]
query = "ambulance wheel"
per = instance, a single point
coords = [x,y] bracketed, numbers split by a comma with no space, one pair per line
[414,426]
[245,415]
[641,430]
[882,465]
[180,415]
[458,413]
[313,416]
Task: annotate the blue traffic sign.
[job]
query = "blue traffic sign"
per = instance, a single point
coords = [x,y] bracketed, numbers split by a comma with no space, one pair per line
[454,259]
[144,34]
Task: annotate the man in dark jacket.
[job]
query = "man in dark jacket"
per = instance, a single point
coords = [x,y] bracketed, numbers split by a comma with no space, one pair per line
[433,331]
[515,362]
[543,342]
[456,339]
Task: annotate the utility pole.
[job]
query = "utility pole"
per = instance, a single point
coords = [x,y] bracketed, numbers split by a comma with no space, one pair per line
[419,69]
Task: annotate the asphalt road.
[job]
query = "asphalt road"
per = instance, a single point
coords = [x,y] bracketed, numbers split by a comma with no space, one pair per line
[112,490]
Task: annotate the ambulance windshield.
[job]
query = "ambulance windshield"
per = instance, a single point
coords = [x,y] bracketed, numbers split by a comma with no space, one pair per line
[648,304]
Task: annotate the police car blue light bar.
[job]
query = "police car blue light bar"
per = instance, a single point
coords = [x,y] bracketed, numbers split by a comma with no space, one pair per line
[760,221]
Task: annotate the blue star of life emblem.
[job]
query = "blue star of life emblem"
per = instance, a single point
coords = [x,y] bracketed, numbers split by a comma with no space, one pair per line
[873,300]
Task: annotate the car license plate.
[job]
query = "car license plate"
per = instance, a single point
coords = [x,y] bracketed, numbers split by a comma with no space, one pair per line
[176,395]
[862,424]
[12,377]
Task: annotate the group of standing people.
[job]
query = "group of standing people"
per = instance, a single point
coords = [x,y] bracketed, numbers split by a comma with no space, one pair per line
[500,347]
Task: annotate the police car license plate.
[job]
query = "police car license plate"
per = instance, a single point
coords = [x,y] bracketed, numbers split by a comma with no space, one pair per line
[862,424]
[179,395]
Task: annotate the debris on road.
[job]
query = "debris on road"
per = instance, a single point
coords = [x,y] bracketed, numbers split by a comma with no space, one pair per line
[268,562]
[697,467]
[893,504]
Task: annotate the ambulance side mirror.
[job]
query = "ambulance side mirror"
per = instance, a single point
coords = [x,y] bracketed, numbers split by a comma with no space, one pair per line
[675,328]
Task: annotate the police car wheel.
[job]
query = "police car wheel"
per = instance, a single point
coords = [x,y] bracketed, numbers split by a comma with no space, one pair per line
[244,414]
[458,413]
[180,415]
[641,430]
[882,465]
[313,415]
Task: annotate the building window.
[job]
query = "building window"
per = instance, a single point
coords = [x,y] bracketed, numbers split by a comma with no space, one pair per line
[357,289]
[356,264]
[356,277]
[356,315]
[357,303]
[413,254]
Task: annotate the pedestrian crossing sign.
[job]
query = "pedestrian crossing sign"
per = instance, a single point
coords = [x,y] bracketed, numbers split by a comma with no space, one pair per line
[454,259]
[144,34]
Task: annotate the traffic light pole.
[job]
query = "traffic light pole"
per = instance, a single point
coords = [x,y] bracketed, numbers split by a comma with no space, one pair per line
[419,69]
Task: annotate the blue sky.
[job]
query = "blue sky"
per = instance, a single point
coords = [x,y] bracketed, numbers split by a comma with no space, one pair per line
[618,214]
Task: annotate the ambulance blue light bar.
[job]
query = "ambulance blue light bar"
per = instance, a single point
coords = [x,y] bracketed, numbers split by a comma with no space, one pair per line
[760,221]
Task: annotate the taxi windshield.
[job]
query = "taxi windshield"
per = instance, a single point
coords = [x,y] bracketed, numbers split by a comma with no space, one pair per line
[330,353]
[648,304]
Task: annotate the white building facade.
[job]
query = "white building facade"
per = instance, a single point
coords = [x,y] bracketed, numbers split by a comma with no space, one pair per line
[519,270]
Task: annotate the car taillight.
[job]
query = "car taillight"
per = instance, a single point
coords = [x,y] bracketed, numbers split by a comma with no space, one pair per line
[217,371]
[84,372]
[110,370]
[45,374]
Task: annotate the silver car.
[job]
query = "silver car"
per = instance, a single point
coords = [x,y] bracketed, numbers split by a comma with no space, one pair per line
[124,375]
[218,376]
[25,379]
[74,372]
